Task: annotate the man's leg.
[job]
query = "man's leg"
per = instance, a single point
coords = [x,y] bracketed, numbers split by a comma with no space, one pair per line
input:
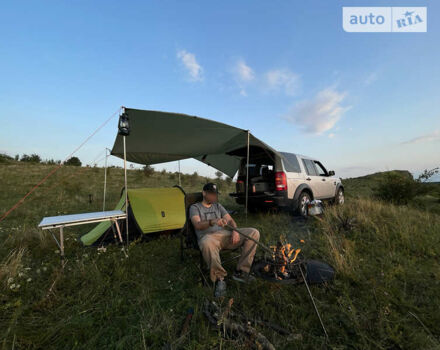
[249,248]
[210,245]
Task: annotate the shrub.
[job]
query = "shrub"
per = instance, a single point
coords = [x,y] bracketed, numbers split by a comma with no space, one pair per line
[4,158]
[52,162]
[33,158]
[397,188]
[73,161]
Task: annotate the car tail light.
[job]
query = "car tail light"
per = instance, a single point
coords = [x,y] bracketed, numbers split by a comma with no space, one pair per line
[240,186]
[280,181]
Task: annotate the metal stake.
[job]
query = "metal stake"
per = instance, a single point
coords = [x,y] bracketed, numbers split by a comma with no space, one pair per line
[313,301]
[105,180]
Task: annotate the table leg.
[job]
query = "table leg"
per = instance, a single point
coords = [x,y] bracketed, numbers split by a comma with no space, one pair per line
[62,244]
[120,237]
[118,229]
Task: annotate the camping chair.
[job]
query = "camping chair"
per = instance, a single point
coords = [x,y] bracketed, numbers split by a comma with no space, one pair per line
[188,238]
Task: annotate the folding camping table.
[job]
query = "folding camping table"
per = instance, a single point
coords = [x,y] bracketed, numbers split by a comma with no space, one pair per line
[62,221]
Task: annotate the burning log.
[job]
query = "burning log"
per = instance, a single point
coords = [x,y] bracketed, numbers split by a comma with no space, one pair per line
[283,262]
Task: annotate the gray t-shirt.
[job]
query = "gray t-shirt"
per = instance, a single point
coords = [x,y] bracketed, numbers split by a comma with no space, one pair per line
[215,211]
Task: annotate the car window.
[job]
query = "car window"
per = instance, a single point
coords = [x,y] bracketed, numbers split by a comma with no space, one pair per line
[321,169]
[310,167]
[291,162]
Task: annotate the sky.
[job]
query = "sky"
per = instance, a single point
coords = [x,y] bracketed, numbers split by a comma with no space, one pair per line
[285,70]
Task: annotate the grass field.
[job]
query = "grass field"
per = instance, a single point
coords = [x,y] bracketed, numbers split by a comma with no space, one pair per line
[386,293]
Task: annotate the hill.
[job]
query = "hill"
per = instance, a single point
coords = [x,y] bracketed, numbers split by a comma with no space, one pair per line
[385,294]
[428,197]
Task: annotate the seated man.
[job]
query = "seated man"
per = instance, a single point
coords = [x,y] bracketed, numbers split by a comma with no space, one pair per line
[209,217]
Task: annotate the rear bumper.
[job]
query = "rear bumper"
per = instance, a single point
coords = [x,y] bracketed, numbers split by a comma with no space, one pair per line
[267,199]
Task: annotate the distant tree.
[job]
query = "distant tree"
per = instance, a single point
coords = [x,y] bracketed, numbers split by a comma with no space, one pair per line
[4,158]
[148,170]
[194,178]
[228,180]
[33,158]
[427,174]
[218,174]
[49,162]
[17,157]
[73,161]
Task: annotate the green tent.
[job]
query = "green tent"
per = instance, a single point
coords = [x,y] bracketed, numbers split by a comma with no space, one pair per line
[150,210]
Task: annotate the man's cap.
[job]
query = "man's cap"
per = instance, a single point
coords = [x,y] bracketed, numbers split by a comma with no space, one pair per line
[210,187]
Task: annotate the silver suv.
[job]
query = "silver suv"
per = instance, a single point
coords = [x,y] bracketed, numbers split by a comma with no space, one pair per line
[288,181]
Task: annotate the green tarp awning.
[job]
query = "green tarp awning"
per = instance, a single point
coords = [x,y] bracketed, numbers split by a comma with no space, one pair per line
[159,137]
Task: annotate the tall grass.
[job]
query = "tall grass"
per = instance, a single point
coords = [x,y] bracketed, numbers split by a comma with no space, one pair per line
[385,294]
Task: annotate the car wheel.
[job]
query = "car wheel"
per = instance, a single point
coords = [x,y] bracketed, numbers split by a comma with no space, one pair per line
[303,200]
[340,198]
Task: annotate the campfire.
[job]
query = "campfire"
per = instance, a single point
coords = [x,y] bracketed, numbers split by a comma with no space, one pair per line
[282,265]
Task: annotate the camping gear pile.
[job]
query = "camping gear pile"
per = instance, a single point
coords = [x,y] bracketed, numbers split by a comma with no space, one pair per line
[315,207]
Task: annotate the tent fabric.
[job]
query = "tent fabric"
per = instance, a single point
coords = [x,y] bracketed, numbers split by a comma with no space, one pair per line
[151,210]
[157,209]
[159,137]
[97,232]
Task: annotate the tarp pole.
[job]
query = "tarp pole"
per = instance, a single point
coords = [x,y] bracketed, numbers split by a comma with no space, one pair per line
[126,190]
[247,177]
[105,179]
[180,184]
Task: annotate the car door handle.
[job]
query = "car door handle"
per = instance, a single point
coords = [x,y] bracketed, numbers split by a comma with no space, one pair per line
[308,179]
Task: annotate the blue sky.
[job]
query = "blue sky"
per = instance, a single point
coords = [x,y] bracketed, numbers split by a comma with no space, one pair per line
[286,70]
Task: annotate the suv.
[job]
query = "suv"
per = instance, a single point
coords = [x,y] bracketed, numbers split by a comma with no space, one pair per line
[286,180]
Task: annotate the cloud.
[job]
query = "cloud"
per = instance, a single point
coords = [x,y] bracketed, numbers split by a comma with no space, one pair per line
[433,136]
[193,68]
[243,75]
[319,114]
[282,80]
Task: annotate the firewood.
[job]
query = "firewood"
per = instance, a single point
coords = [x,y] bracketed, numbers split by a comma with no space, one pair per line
[213,312]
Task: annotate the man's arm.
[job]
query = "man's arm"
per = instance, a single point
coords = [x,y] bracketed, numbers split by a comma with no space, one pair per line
[202,224]
[226,216]
[235,236]
[229,220]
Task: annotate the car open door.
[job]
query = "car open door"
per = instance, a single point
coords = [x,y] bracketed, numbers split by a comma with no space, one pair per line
[313,179]
[328,185]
